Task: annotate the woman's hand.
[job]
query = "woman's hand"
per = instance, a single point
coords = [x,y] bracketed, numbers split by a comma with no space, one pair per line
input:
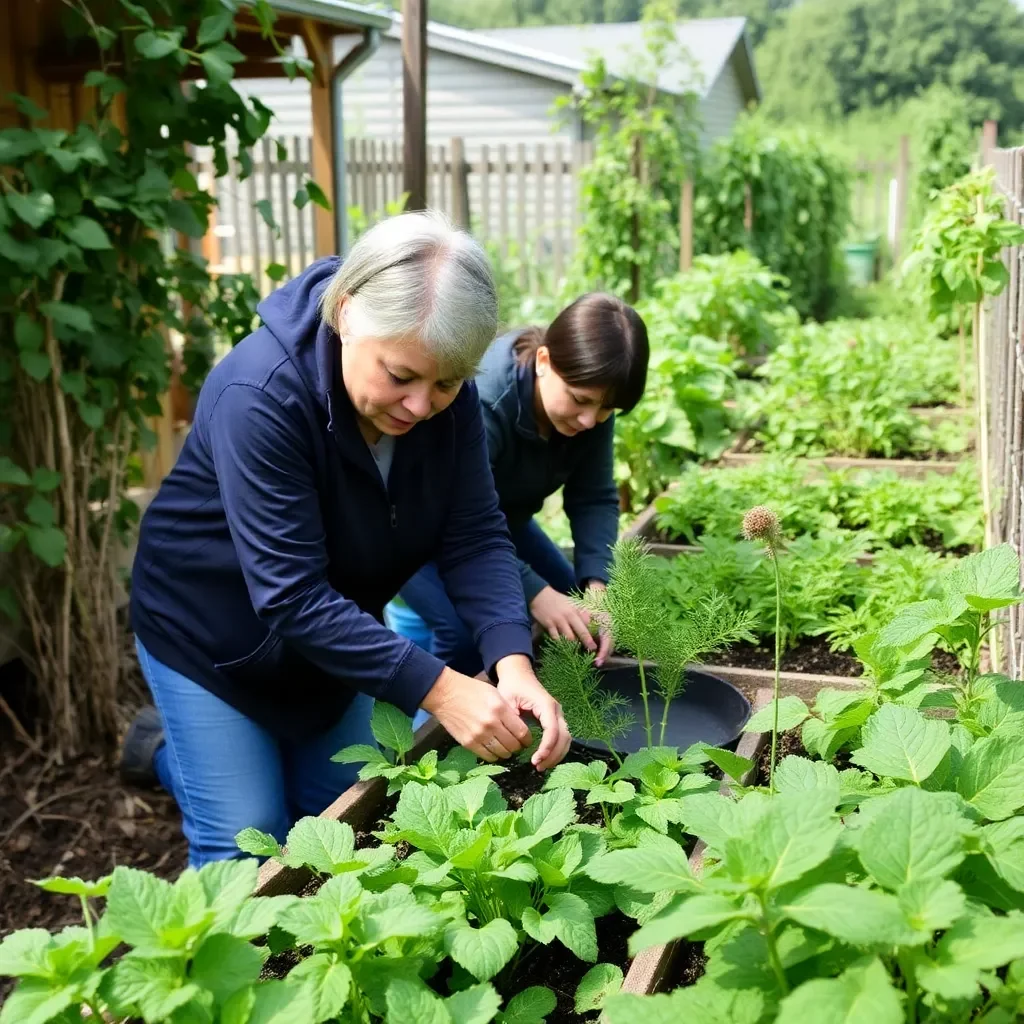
[521,688]
[604,647]
[477,716]
[559,616]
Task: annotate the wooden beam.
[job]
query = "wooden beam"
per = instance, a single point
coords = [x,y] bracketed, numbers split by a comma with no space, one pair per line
[325,241]
[319,50]
[414,101]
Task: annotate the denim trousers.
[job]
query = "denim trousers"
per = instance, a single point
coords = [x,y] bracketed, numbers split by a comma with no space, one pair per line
[451,641]
[226,772]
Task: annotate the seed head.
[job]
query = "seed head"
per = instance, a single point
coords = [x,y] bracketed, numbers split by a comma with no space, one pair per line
[761,523]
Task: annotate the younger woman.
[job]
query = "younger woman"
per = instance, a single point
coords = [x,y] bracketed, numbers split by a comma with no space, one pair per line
[548,400]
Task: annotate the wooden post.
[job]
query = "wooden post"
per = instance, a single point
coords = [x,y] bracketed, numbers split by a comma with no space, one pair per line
[902,189]
[460,184]
[686,224]
[324,238]
[989,133]
[414,101]
[748,208]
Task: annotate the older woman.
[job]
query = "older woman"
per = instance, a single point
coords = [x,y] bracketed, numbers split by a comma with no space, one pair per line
[333,453]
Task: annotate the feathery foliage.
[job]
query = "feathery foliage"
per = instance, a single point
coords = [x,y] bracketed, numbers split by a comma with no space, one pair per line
[569,675]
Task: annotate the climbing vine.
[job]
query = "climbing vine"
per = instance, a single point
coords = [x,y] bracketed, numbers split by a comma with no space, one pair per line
[645,140]
[92,287]
[784,196]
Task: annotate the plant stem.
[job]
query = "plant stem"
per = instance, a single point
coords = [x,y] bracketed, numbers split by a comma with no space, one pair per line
[643,693]
[778,658]
[773,950]
[664,723]
[910,980]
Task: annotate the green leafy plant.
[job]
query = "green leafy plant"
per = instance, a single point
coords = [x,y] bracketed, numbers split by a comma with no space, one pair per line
[392,729]
[731,297]
[885,508]
[847,388]
[634,607]
[783,195]
[88,295]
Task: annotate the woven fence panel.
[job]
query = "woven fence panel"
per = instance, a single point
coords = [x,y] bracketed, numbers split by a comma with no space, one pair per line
[1004,383]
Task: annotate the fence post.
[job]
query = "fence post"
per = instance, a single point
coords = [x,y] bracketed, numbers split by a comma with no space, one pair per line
[748,208]
[686,224]
[902,187]
[460,184]
[989,133]
[414,102]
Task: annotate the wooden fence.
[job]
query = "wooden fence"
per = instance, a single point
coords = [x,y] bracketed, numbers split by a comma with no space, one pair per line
[522,198]
[881,197]
[1001,370]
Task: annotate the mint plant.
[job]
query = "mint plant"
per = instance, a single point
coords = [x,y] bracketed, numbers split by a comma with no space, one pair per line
[392,729]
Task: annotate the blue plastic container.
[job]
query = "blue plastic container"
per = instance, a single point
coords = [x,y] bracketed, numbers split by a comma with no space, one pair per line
[401,619]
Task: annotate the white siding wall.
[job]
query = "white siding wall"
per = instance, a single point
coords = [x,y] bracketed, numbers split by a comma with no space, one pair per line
[722,105]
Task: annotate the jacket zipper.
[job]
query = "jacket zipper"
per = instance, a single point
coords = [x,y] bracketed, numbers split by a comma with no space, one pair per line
[394,517]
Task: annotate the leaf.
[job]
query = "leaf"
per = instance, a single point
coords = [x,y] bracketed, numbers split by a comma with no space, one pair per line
[214,27]
[34,208]
[683,916]
[798,774]
[530,1006]
[983,942]
[181,216]
[74,886]
[47,543]
[600,982]
[546,814]
[326,845]
[391,728]
[276,272]
[424,817]
[648,869]
[23,953]
[991,778]
[265,208]
[567,919]
[12,474]
[328,981]
[792,711]
[68,315]
[987,580]
[218,60]
[475,1005]
[931,904]
[35,364]
[320,920]
[37,1002]
[259,844]
[224,963]
[152,989]
[409,1001]
[912,835]
[154,45]
[733,765]
[86,233]
[317,194]
[360,753]
[481,951]
[862,994]
[228,884]
[576,775]
[277,1002]
[860,917]
[914,622]
[902,744]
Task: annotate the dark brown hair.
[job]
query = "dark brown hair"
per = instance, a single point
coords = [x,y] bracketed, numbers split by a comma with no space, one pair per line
[598,341]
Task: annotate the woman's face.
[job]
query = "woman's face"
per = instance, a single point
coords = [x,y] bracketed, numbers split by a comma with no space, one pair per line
[568,408]
[393,383]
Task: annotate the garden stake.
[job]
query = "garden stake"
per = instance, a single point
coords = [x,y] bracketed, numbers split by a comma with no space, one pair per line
[761,523]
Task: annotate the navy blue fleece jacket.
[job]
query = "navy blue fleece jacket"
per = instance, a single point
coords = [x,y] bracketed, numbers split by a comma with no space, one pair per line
[267,556]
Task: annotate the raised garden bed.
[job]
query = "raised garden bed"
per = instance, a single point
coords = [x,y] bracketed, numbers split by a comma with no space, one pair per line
[904,467]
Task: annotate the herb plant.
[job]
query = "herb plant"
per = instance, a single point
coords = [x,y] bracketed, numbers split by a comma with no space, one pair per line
[847,388]
[634,607]
[392,729]
[885,508]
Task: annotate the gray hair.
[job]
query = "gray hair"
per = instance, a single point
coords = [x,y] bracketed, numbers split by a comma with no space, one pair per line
[416,275]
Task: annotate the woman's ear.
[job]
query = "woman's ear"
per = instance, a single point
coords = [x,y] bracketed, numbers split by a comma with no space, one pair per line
[542,360]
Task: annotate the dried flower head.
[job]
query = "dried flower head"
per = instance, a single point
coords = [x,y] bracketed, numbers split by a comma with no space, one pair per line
[761,523]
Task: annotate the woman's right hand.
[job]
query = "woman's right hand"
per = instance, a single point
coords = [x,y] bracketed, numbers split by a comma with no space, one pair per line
[559,616]
[476,716]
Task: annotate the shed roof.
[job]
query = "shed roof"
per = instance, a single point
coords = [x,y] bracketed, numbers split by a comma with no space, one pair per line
[560,52]
[339,13]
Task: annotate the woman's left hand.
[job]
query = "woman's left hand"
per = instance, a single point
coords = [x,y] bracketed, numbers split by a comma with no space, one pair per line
[604,643]
[521,688]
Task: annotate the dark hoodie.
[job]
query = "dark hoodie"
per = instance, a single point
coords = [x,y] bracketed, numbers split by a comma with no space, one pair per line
[267,556]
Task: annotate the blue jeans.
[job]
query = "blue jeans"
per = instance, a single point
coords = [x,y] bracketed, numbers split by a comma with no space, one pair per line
[227,773]
[451,641]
